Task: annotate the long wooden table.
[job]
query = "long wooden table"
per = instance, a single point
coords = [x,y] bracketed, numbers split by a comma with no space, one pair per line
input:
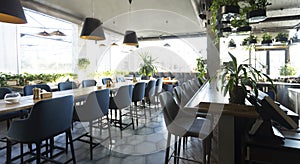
[28,101]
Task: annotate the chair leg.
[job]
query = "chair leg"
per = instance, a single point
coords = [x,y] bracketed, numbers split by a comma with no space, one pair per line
[91,140]
[38,153]
[179,146]
[8,151]
[109,133]
[136,114]
[69,135]
[120,112]
[168,148]
[175,150]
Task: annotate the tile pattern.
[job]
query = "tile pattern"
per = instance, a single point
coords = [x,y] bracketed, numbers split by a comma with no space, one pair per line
[143,145]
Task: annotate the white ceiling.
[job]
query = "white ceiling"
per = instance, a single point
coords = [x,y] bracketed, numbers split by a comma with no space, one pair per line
[153,18]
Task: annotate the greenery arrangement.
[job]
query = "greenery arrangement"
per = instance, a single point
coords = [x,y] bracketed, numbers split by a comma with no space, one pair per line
[147,67]
[251,39]
[282,37]
[236,78]
[287,70]
[83,63]
[266,38]
[24,78]
[201,68]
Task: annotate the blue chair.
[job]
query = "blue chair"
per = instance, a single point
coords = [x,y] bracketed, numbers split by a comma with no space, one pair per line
[88,83]
[105,79]
[47,119]
[10,115]
[121,100]
[138,95]
[95,107]
[66,85]
[27,90]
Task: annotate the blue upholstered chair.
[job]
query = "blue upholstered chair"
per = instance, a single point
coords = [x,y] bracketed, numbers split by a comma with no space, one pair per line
[94,108]
[10,115]
[27,90]
[88,83]
[138,96]
[105,79]
[66,85]
[47,119]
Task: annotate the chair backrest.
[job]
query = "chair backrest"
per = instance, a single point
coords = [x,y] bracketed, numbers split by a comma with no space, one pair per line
[187,90]
[150,88]
[27,90]
[120,79]
[193,86]
[104,80]
[47,118]
[95,106]
[66,85]
[158,86]
[169,106]
[123,97]
[138,91]
[177,94]
[88,83]
[4,91]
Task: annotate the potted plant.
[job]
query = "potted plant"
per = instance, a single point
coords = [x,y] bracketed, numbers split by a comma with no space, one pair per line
[236,78]
[287,70]
[257,11]
[83,63]
[201,68]
[252,39]
[241,24]
[231,43]
[282,37]
[266,38]
[147,67]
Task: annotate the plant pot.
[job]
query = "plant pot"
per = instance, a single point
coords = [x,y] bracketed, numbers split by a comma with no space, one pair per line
[244,29]
[256,15]
[266,42]
[282,39]
[253,41]
[228,9]
[237,95]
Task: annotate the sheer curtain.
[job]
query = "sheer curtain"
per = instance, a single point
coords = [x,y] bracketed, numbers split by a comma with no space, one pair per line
[9,48]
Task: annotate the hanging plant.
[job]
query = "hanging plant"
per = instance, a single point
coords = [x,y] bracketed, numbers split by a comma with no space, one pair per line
[83,63]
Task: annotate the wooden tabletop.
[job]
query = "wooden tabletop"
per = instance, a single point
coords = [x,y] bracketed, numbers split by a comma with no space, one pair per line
[28,101]
[209,99]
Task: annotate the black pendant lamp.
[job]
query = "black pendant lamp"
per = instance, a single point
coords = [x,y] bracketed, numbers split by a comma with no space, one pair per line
[92,29]
[11,11]
[130,38]
[58,33]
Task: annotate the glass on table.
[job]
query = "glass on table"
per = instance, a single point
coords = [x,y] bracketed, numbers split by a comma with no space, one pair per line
[11,98]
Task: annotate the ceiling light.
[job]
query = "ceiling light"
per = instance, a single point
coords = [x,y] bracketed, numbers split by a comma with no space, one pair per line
[130,37]
[11,11]
[58,33]
[92,28]
[43,33]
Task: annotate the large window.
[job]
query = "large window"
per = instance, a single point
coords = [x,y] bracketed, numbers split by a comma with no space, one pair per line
[45,54]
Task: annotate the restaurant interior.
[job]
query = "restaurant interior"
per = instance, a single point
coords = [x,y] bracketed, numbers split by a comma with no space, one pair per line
[161,81]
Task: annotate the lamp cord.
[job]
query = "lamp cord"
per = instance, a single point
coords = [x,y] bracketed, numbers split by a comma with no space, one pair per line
[93,14]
